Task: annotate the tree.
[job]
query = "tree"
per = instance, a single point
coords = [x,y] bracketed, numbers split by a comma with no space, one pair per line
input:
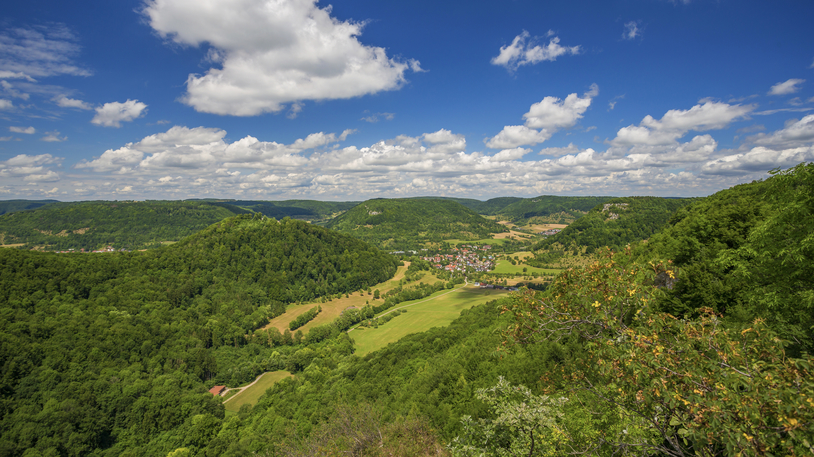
[700,387]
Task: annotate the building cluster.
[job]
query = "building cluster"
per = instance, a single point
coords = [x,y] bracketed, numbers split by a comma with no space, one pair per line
[550,232]
[107,249]
[463,257]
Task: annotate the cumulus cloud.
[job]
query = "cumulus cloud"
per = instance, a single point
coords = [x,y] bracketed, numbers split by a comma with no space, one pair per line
[114,113]
[794,134]
[26,130]
[65,102]
[39,51]
[6,104]
[787,87]
[523,51]
[549,115]
[676,123]
[271,53]
[631,30]
[53,137]
[30,168]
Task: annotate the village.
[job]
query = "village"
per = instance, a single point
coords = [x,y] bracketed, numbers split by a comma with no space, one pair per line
[463,258]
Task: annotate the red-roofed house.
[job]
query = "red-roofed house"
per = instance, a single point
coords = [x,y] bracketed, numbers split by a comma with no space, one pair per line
[217,390]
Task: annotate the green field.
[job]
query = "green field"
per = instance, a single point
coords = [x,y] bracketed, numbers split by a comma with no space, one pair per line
[504,267]
[483,241]
[252,394]
[437,310]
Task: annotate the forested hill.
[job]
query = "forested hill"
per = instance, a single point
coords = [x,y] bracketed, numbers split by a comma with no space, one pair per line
[548,209]
[617,222]
[409,223]
[489,207]
[10,206]
[98,224]
[107,353]
[747,252]
[310,210]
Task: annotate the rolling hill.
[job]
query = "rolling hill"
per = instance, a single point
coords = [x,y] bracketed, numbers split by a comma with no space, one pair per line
[409,223]
[548,209]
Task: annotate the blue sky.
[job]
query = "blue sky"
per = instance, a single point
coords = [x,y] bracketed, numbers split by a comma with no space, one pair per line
[278,99]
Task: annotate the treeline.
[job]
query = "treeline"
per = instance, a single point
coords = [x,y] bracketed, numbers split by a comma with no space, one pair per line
[304,318]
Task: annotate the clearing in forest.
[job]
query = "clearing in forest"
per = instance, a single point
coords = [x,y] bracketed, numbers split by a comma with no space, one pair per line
[333,309]
[252,392]
[437,310]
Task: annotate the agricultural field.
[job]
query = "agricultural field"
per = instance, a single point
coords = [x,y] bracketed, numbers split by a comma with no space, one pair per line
[333,309]
[437,310]
[252,392]
[503,266]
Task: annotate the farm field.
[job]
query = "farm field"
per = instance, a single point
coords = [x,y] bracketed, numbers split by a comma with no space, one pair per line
[483,241]
[437,310]
[333,309]
[251,394]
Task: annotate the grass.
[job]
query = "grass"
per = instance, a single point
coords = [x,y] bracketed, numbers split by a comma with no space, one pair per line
[483,241]
[252,394]
[333,309]
[437,310]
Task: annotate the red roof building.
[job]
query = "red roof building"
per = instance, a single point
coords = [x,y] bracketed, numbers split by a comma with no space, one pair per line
[217,390]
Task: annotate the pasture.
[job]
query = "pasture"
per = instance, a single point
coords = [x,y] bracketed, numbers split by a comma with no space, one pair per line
[437,310]
[253,392]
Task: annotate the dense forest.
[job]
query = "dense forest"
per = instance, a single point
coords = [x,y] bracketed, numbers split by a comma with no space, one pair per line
[549,208]
[694,343]
[106,352]
[617,222]
[52,225]
[410,223]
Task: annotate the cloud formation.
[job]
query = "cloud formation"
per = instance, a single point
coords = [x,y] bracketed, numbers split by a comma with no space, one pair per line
[65,102]
[786,87]
[543,119]
[26,130]
[631,30]
[273,52]
[114,113]
[523,51]
[38,52]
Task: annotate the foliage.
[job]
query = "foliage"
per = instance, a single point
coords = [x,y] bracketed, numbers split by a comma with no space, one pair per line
[524,423]
[617,222]
[409,223]
[702,388]
[304,318]
[746,252]
[11,206]
[547,205]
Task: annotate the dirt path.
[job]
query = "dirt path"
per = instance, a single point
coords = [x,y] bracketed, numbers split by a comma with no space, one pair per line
[241,389]
[466,283]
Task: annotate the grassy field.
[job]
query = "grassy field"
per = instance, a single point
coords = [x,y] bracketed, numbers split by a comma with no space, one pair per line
[251,394]
[483,241]
[436,310]
[333,309]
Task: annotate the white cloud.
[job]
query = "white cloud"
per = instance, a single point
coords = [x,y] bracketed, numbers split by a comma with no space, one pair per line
[26,130]
[376,117]
[272,53]
[507,155]
[114,113]
[552,113]
[6,104]
[787,87]
[9,89]
[513,136]
[53,137]
[5,74]
[30,168]
[65,102]
[121,160]
[631,30]
[7,138]
[39,51]
[522,51]
[676,123]
[758,159]
[796,134]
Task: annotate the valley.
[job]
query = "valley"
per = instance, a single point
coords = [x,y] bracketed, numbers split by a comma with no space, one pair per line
[404,316]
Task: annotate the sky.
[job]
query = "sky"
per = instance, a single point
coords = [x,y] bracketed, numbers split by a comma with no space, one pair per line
[359,99]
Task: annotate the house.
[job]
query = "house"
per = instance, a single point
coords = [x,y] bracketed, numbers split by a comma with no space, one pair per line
[217,390]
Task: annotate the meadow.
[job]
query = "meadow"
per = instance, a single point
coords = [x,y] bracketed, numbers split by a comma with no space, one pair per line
[437,310]
[253,391]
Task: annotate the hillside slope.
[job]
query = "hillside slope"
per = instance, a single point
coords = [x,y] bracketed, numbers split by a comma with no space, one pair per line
[617,222]
[95,225]
[117,350]
[549,208]
[408,223]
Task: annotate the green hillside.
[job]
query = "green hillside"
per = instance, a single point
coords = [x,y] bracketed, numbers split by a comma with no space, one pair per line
[549,209]
[489,207]
[409,223]
[96,225]
[11,206]
[107,353]
[310,210]
[618,222]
